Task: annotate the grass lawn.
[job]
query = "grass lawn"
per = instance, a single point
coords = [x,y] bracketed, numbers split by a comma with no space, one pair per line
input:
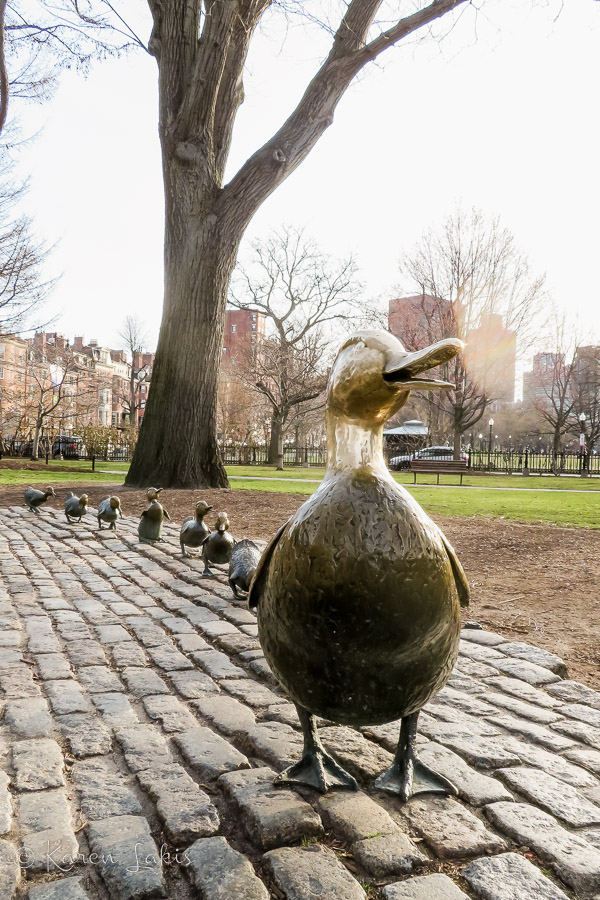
[515,482]
[532,499]
[549,507]
[43,476]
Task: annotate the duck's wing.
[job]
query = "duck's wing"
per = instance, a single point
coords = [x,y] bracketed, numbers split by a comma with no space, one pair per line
[186,524]
[460,578]
[256,588]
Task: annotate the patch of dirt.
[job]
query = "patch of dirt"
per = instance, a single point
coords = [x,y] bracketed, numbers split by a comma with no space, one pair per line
[534,583]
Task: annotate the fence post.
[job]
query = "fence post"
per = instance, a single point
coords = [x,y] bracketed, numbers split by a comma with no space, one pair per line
[526,466]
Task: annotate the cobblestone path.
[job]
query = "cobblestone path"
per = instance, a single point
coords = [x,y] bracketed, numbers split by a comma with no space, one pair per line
[141,729]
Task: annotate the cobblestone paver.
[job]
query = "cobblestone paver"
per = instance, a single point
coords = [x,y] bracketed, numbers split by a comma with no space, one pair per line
[141,729]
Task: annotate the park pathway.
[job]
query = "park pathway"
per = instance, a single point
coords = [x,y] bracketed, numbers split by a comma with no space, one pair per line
[142,727]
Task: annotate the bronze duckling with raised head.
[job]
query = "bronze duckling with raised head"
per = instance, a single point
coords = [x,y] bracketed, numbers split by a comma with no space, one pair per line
[218,545]
[358,595]
[194,530]
[75,507]
[35,497]
[109,510]
[151,520]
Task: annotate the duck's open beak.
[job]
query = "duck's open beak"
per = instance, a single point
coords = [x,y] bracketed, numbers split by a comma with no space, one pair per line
[404,369]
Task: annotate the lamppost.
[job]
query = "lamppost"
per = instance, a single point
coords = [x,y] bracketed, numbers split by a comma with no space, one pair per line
[491,424]
[584,469]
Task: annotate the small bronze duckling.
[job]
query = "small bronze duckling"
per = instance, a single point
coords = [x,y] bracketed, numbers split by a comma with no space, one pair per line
[109,510]
[35,498]
[151,520]
[245,557]
[359,593]
[218,545]
[75,507]
[194,531]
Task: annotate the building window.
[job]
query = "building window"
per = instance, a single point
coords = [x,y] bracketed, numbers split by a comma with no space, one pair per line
[143,388]
[20,376]
[253,327]
[115,418]
[234,328]
[142,404]
[254,317]
[2,351]
[1,371]
[224,349]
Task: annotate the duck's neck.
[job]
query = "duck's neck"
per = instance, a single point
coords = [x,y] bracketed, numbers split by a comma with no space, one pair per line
[352,446]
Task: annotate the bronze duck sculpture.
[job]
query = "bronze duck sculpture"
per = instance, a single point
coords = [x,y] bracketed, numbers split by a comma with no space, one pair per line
[218,545]
[109,510]
[245,557]
[35,498]
[75,507]
[194,530]
[358,595]
[151,520]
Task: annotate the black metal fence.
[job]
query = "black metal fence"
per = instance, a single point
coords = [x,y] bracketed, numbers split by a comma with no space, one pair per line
[511,462]
[533,462]
[258,456]
[516,462]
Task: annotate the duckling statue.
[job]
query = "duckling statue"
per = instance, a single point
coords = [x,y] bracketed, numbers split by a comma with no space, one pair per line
[218,545]
[109,510]
[151,520]
[75,507]
[245,557]
[194,530]
[358,595]
[35,498]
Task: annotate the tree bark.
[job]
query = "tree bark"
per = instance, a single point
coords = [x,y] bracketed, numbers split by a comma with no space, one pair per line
[276,436]
[178,446]
[457,443]
[36,440]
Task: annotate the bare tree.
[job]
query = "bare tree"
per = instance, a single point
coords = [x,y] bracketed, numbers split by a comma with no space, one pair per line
[240,412]
[23,289]
[586,392]
[551,387]
[292,377]
[201,49]
[135,336]
[304,295]
[55,386]
[467,272]
[38,40]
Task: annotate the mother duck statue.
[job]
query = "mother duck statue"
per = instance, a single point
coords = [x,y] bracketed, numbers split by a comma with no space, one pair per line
[358,595]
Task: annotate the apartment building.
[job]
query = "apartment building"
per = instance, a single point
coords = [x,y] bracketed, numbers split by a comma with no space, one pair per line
[93,383]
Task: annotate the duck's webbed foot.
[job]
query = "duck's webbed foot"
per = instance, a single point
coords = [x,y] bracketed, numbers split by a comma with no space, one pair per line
[319,770]
[407,775]
[316,769]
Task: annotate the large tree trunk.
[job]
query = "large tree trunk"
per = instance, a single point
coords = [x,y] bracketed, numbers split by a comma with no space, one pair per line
[36,440]
[457,443]
[178,437]
[555,451]
[275,438]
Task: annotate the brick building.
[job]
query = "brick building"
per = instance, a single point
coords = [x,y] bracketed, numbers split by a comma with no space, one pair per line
[244,330]
[95,383]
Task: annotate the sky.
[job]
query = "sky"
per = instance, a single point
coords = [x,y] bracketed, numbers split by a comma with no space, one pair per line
[500,114]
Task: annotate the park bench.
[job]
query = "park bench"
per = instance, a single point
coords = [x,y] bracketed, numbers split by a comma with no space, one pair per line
[438,467]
